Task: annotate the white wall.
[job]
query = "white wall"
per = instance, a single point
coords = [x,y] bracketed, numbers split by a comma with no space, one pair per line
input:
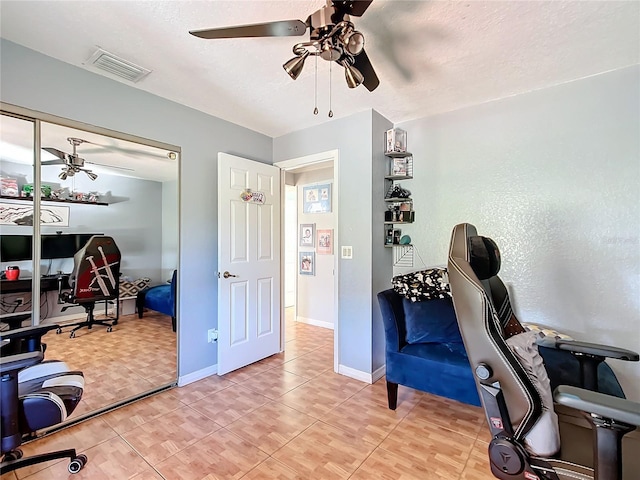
[315,293]
[553,176]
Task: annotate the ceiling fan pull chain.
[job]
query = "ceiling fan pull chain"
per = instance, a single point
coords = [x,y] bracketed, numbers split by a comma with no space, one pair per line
[315,110]
[330,71]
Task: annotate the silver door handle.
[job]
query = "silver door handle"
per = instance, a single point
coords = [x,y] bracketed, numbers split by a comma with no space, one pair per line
[227,275]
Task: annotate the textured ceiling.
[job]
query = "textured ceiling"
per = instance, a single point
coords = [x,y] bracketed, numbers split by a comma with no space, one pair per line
[430,56]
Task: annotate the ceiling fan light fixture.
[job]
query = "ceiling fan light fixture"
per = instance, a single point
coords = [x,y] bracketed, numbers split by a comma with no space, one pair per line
[353,76]
[294,66]
[63,175]
[354,42]
[90,174]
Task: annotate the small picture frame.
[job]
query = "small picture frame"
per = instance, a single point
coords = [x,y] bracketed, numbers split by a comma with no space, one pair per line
[307,263]
[325,242]
[316,198]
[307,234]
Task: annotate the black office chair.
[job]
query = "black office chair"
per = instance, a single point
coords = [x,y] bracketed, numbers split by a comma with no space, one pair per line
[512,382]
[95,277]
[35,394]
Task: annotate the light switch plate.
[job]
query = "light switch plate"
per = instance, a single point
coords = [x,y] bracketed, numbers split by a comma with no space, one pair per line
[347,251]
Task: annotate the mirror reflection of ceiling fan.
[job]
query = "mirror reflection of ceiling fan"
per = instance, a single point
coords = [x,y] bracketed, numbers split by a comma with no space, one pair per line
[332,36]
[72,163]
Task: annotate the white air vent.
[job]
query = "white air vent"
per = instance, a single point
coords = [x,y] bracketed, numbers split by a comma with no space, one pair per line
[117,66]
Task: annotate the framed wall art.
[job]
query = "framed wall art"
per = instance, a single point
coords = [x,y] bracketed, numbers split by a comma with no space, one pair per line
[325,241]
[316,198]
[307,263]
[307,234]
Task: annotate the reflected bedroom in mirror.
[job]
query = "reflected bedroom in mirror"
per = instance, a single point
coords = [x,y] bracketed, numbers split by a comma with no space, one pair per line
[107,250]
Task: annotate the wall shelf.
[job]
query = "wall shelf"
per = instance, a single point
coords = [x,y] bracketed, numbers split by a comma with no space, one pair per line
[52,200]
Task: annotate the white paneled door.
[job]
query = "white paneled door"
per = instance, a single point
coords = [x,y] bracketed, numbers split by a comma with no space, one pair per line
[248,261]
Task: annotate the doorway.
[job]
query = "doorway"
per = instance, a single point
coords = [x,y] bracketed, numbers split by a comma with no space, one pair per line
[309,252]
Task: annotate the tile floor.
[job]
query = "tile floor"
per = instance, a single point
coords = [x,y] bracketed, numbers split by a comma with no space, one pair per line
[286,417]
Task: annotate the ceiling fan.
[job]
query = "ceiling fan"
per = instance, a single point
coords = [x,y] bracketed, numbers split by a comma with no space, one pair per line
[72,163]
[332,36]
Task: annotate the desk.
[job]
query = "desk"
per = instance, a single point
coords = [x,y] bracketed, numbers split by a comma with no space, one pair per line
[23,285]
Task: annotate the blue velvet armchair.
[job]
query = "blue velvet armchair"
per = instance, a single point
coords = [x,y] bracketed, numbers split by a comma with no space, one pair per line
[160,298]
[424,349]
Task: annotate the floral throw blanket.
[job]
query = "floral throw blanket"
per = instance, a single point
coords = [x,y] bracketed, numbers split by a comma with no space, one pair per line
[423,285]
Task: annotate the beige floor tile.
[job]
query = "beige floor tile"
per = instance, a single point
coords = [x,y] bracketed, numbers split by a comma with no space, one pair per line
[81,437]
[324,452]
[271,469]
[242,374]
[442,452]
[365,417]
[230,404]
[271,426]
[202,388]
[131,416]
[274,383]
[111,460]
[456,416]
[320,395]
[162,437]
[385,465]
[221,455]
[477,467]
[307,366]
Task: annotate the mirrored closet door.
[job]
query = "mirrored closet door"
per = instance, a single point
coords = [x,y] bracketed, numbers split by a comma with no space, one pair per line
[96,184]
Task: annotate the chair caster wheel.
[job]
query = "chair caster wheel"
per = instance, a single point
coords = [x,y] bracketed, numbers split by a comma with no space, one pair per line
[13,455]
[58,331]
[109,329]
[72,335]
[77,463]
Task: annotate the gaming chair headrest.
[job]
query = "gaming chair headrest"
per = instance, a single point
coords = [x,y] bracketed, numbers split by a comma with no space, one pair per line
[484,257]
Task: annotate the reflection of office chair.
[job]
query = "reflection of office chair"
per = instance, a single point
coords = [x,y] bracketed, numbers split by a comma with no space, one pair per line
[34,395]
[513,384]
[95,277]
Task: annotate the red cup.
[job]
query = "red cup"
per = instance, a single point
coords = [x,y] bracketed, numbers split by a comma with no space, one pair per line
[12,273]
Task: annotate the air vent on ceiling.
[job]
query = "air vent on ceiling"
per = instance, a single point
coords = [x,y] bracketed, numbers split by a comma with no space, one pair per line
[117,66]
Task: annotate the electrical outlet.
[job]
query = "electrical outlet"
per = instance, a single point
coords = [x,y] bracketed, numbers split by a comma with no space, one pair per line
[212,335]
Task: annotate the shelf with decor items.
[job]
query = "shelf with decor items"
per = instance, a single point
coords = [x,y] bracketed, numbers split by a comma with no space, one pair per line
[398,199]
[54,200]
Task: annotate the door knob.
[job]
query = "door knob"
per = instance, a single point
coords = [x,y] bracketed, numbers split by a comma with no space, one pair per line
[227,275]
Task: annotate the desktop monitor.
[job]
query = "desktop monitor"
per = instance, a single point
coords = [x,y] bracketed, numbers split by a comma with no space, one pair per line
[15,248]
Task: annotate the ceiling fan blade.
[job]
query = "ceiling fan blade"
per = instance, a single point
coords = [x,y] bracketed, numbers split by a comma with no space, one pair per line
[363,64]
[283,28]
[351,7]
[54,151]
[110,166]
[53,162]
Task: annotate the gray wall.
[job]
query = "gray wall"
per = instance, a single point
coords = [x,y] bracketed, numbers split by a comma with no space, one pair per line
[553,176]
[32,80]
[358,139]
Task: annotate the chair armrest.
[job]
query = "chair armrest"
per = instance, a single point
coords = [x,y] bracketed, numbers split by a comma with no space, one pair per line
[19,361]
[596,349]
[27,332]
[393,319]
[619,409]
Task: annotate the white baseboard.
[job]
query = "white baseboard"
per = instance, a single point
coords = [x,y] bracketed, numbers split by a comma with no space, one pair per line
[197,375]
[360,375]
[317,323]
[379,373]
